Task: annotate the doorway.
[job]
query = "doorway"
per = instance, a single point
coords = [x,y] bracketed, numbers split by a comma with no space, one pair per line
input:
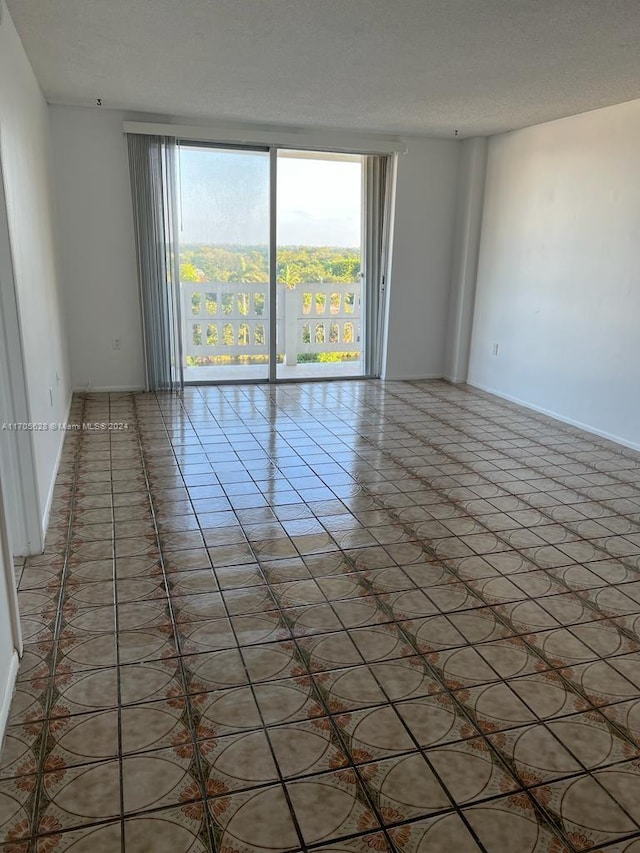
[319,252]
[223,197]
[272,280]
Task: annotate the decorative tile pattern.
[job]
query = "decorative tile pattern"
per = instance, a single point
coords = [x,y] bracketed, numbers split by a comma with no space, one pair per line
[404,787]
[331,805]
[347,617]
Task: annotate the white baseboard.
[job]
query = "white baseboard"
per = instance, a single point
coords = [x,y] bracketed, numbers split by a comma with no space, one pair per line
[6,693]
[114,389]
[586,427]
[416,378]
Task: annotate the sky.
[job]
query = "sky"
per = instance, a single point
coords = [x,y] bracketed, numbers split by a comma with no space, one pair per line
[224,198]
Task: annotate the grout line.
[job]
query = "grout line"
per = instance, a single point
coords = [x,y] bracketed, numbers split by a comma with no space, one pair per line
[117,642]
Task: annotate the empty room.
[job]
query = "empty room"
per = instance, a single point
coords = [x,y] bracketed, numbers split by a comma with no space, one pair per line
[319,426]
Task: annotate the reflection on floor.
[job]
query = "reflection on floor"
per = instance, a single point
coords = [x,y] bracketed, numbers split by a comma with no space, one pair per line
[253,372]
[347,617]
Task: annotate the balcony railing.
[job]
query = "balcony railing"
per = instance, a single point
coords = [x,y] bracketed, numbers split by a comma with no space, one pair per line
[232,319]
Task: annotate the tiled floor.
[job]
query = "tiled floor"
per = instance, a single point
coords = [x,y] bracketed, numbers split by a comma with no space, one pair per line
[346,616]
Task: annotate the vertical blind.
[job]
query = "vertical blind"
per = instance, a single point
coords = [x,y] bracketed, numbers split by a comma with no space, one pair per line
[377,194]
[153,187]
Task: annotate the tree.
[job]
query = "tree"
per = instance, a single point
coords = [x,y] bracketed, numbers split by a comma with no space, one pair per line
[189,272]
[290,275]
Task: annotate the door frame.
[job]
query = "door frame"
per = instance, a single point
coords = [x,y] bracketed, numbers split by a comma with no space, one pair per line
[273,265]
[17,467]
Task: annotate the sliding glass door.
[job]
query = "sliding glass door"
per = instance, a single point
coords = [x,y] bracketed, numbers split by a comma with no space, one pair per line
[273,251]
[319,263]
[224,221]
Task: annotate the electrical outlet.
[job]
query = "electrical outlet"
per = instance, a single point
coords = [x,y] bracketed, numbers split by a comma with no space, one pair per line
[495,349]
[117,343]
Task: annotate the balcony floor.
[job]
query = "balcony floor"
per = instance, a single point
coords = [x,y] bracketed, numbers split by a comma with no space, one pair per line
[254,372]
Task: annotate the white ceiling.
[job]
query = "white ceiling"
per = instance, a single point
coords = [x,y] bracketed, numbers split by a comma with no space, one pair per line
[399,66]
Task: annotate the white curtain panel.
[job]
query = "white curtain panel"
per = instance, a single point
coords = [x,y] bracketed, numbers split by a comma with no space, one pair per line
[152,166]
[377,180]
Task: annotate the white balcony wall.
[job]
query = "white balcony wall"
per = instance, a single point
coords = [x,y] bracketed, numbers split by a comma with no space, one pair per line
[98,252]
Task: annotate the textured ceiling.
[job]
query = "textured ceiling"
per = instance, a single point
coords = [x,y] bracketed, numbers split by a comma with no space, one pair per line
[400,66]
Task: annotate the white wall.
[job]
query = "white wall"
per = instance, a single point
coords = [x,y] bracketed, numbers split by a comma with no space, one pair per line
[97,248]
[559,271]
[421,259]
[99,264]
[26,164]
[464,265]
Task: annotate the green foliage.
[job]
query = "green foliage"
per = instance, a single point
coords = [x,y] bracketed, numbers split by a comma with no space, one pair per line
[296,264]
[323,357]
[190,272]
[289,275]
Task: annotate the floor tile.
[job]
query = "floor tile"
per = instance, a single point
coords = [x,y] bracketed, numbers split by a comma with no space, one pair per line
[594,740]
[307,747]
[512,825]
[434,720]
[534,754]
[350,689]
[404,787]
[258,820]
[374,733]
[238,761]
[82,739]
[156,778]
[288,700]
[214,671]
[101,838]
[494,707]
[181,829]
[406,677]
[16,807]
[586,812]
[471,771]
[548,694]
[439,834]
[79,795]
[227,711]
[154,725]
[332,805]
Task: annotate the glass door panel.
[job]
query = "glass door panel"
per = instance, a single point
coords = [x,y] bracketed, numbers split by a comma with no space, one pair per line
[319,262]
[224,263]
